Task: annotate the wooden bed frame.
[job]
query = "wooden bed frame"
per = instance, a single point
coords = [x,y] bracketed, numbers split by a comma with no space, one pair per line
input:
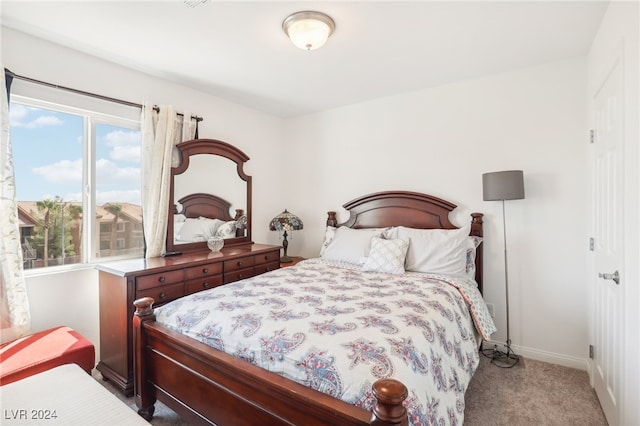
[207,386]
[205,205]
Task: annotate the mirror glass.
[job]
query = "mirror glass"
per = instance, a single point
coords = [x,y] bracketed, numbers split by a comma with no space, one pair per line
[211,184]
[212,174]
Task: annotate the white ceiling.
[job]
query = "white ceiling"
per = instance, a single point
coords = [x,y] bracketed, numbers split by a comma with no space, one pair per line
[237,50]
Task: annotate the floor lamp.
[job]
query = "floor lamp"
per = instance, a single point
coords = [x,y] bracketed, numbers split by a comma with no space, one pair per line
[501,186]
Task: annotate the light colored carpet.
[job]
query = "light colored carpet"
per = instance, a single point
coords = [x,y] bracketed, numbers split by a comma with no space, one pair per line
[531,393]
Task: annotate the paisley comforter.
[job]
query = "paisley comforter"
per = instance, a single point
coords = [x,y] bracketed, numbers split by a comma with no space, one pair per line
[337,329]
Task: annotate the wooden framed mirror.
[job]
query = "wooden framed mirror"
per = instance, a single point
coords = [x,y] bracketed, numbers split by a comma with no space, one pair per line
[209,194]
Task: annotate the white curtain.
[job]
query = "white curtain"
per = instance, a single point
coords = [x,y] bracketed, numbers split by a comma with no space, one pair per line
[15,319]
[162,130]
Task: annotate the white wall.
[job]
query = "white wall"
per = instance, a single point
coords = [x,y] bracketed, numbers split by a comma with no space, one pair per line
[440,141]
[71,297]
[532,119]
[66,298]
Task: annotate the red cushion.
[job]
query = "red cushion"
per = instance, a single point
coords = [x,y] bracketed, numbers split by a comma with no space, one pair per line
[42,351]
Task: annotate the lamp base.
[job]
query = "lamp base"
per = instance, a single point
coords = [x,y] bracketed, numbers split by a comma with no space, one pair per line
[286,259]
[500,358]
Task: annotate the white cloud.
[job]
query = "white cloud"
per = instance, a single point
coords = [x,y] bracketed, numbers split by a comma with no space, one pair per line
[17,113]
[108,171]
[61,172]
[19,116]
[132,196]
[125,145]
[44,121]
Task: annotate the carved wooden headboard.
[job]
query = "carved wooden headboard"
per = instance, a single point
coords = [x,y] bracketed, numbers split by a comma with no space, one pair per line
[410,209]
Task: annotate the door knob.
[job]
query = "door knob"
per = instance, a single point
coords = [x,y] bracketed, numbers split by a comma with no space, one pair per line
[615,277]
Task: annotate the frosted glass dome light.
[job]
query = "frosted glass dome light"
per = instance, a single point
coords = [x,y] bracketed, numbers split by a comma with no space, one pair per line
[308,30]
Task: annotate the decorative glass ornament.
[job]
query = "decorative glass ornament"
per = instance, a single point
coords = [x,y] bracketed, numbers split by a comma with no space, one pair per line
[215,243]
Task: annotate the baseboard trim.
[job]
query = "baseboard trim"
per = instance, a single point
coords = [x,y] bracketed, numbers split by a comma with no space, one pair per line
[544,356]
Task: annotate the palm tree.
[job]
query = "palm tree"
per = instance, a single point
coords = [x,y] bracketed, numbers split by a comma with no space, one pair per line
[47,206]
[75,211]
[115,210]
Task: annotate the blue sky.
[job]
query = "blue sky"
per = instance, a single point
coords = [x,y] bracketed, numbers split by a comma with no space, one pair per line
[48,150]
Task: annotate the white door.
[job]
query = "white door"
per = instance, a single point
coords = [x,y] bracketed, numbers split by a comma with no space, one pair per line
[608,249]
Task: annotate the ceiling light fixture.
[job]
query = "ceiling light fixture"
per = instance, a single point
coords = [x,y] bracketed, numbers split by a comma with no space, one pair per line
[308,30]
[194,3]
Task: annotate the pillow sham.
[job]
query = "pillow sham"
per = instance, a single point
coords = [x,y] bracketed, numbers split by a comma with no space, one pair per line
[474,243]
[178,221]
[329,233]
[438,251]
[227,229]
[386,256]
[199,229]
[351,245]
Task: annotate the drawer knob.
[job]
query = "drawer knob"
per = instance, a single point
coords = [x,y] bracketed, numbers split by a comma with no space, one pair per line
[205,285]
[240,263]
[162,279]
[240,276]
[205,271]
[162,295]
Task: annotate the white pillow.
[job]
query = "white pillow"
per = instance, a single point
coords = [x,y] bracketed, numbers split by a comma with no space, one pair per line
[438,251]
[178,221]
[227,229]
[386,256]
[474,243]
[329,233]
[351,245]
[199,229]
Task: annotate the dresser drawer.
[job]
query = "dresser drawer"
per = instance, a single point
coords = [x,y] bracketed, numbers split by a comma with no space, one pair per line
[203,271]
[150,281]
[239,274]
[270,257]
[266,267]
[200,284]
[163,294]
[236,264]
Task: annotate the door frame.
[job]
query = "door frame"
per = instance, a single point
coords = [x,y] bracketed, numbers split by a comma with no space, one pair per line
[619,34]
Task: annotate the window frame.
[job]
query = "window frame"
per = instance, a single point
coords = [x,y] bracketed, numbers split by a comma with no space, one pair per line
[90,247]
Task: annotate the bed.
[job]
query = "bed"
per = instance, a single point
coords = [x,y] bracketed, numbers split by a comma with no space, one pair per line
[400,378]
[199,216]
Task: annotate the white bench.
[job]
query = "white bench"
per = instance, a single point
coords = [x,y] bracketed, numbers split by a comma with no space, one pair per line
[64,395]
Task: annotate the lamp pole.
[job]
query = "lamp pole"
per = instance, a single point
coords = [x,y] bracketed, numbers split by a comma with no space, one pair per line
[501,186]
[64,204]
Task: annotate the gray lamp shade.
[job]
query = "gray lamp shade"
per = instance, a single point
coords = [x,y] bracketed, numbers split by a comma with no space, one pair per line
[507,185]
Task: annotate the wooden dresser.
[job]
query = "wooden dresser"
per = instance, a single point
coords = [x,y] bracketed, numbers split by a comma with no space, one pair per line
[164,279]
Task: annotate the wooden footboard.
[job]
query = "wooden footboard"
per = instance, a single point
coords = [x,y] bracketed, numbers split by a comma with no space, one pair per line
[207,386]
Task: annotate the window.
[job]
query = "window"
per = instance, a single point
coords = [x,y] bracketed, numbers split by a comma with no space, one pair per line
[77,183]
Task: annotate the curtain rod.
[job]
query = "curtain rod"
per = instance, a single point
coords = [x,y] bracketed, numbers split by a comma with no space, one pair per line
[82,92]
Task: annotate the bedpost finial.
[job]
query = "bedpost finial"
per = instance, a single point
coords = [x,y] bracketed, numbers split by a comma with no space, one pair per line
[331,219]
[144,306]
[388,409]
[476,217]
